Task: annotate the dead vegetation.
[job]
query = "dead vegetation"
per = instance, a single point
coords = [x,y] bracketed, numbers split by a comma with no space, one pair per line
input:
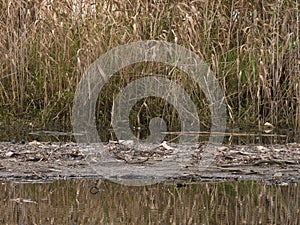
[252,46]
[44,161]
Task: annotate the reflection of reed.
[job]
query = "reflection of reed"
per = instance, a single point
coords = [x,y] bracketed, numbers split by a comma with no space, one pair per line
[70,202]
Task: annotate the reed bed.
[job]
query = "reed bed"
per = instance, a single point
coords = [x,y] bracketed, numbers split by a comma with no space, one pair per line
[253,47]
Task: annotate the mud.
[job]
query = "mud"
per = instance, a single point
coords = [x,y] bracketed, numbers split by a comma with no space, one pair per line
[278,164]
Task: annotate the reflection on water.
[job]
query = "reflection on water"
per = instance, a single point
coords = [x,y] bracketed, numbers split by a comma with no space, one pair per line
[97,202]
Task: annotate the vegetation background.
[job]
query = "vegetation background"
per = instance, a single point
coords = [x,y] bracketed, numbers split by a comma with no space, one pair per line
[253,47]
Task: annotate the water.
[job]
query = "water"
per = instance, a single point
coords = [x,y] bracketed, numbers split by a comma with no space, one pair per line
[238,136]
[77,202]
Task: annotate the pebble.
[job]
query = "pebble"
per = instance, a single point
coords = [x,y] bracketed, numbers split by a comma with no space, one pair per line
[277,175]
[9,154]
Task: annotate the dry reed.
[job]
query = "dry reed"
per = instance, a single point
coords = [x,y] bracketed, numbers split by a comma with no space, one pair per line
[253,47]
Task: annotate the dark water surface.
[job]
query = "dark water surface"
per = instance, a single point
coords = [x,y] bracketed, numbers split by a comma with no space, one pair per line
[236,136]
[77,202]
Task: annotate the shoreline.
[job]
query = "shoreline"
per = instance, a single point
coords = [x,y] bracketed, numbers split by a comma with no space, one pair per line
[42,162]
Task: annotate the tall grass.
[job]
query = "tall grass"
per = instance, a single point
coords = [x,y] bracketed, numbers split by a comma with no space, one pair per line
[252,46]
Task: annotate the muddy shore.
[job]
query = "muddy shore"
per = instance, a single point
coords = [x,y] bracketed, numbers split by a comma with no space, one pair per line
[35,161]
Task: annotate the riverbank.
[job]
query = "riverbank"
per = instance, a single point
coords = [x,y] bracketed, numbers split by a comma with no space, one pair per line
[33,161]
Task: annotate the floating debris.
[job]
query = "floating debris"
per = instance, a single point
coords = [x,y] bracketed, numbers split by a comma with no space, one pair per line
[23,200]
